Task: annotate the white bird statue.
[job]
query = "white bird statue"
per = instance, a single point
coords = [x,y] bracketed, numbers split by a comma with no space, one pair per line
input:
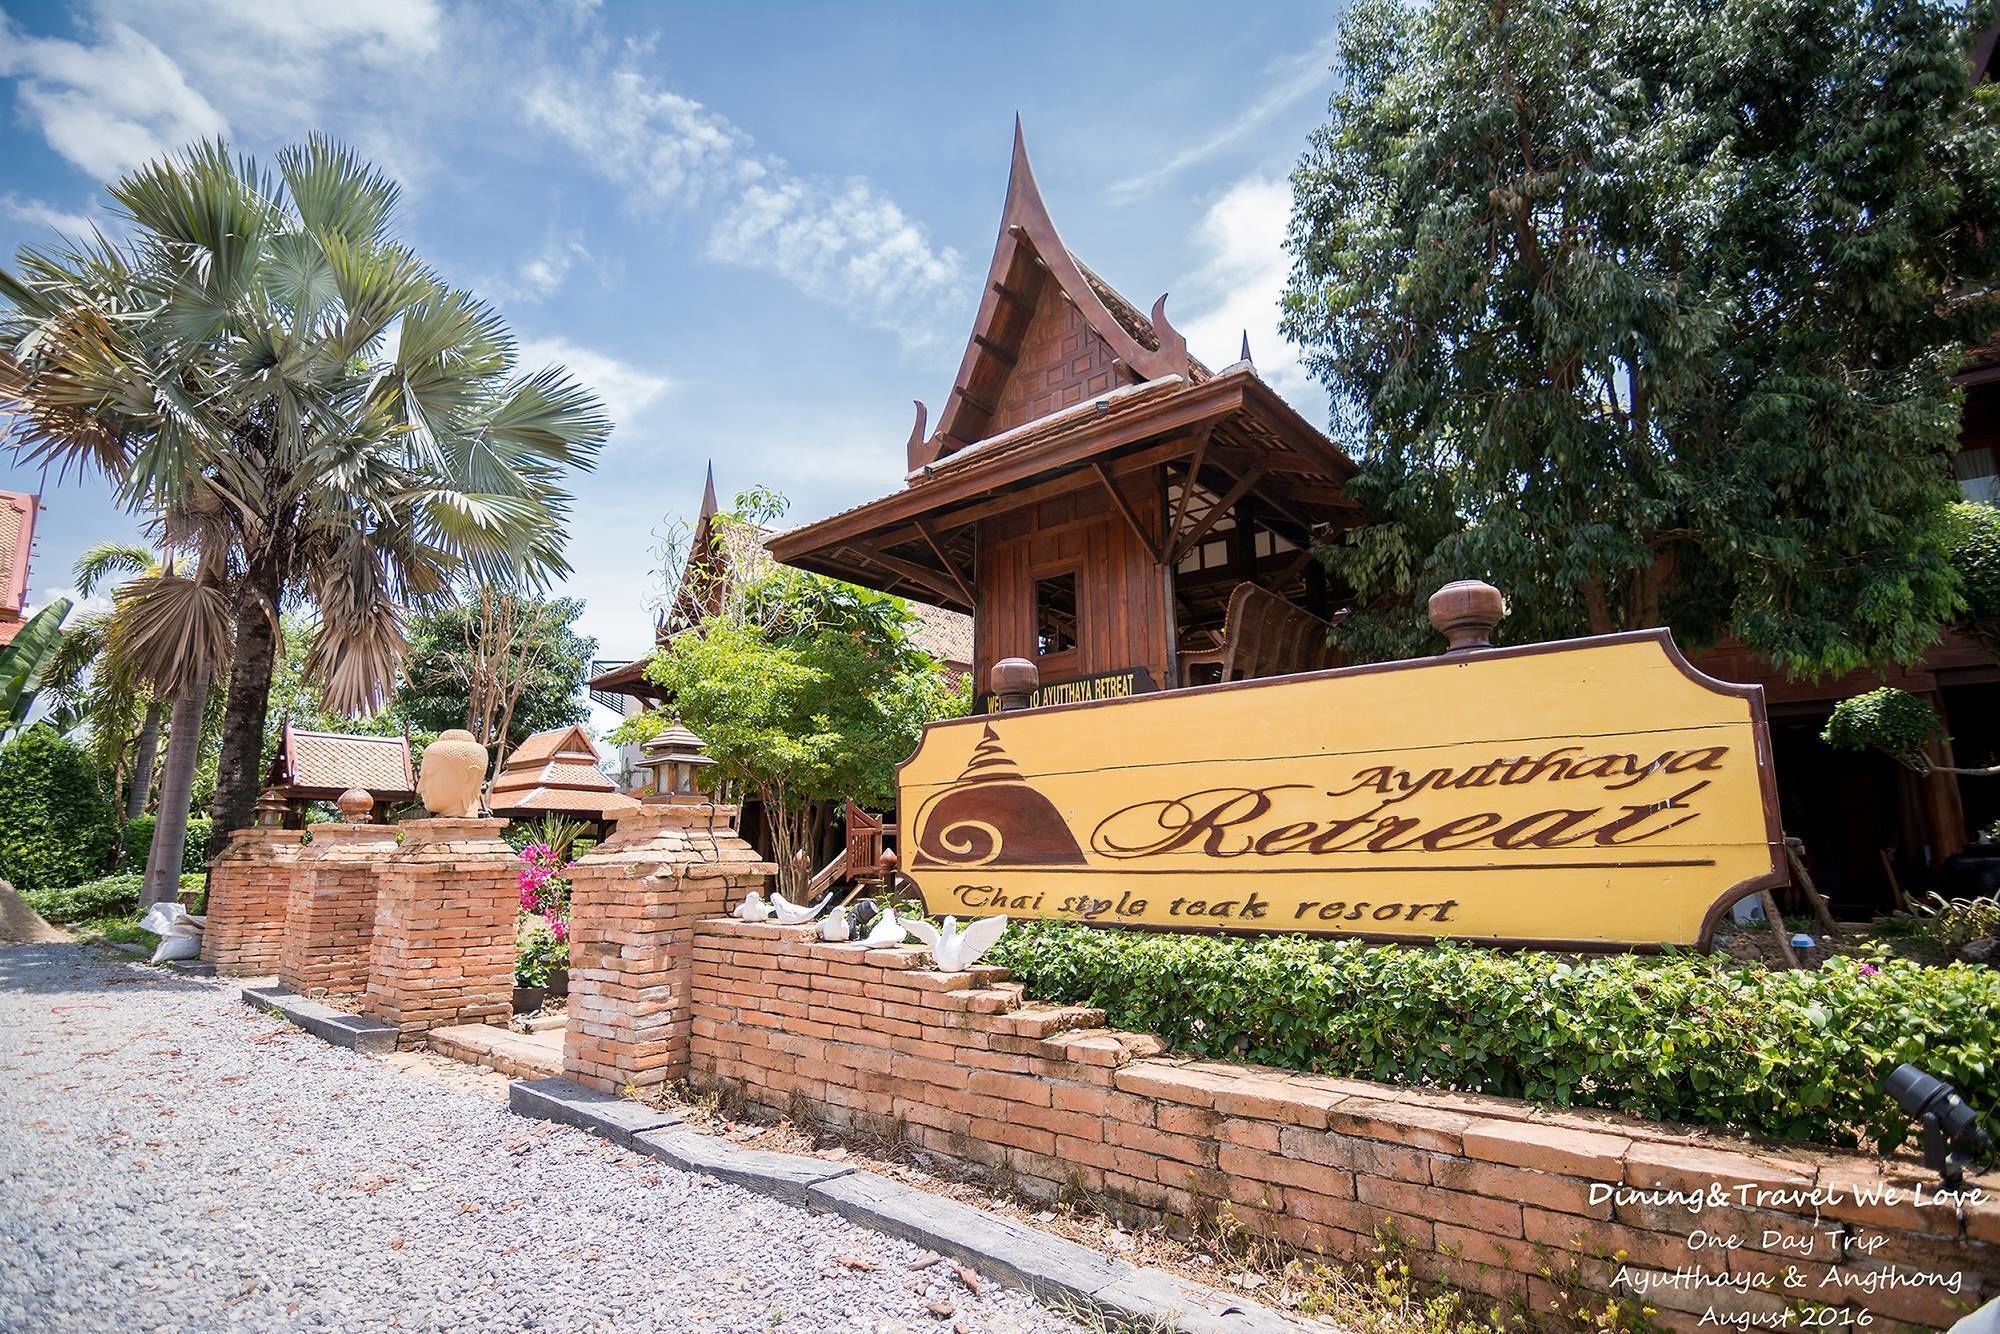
[888,930]
[849,923]
[953,950]
[752,909]
[792,914]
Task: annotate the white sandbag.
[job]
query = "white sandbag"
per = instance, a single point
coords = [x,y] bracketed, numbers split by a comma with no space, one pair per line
[160,918]
[179,945]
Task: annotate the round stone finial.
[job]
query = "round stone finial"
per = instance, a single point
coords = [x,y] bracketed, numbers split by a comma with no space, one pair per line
[357,805]
[1012,681]
[1465,613]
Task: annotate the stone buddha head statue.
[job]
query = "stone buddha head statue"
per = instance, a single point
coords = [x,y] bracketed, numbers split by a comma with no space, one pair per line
[454,769]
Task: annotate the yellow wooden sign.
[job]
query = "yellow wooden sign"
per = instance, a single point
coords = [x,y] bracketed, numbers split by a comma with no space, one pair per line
[1594,793]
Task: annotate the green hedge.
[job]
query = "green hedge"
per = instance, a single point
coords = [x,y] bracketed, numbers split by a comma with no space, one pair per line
[1793,1054]
[57,823]
[113,896]
[139,844]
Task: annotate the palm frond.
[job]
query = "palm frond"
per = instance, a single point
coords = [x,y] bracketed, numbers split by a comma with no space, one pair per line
[106,560]
[336,192]
[168,628]
[357,654]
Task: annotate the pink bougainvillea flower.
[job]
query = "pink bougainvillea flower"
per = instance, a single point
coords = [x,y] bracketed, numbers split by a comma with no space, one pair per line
[1870,970]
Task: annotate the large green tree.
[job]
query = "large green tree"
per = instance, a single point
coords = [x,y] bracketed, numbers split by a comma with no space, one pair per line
[807,691]
[299,397]
[1648,312]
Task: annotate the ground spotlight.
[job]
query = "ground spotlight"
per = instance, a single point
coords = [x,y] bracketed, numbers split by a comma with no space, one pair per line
[1953,1138]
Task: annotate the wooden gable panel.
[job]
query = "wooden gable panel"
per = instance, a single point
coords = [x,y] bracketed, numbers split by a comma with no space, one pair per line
[1061,361]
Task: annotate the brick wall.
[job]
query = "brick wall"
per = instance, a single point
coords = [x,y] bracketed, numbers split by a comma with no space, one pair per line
[249,890]
[443,942]
[330,912]
[634,902]
[1486,1193]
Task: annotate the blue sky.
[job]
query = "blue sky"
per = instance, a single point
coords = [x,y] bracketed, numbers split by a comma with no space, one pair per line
[758,230]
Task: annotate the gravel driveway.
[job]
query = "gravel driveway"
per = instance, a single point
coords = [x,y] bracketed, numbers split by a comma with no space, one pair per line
[172,1160]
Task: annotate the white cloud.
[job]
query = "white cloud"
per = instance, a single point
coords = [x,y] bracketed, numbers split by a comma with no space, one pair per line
[543,275]
[275,62]
[1238,285]
[107,106]
[840,241]
[40,214]
[151,76]
[626,389]
[1287,82]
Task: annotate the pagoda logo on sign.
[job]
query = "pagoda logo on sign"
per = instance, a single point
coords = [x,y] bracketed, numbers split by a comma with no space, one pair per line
[1594,793]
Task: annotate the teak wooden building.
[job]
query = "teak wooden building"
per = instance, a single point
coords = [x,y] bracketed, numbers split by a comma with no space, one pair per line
[1102,502]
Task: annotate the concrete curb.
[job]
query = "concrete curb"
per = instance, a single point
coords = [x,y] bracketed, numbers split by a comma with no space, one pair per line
[1056,1271]
[352,1031]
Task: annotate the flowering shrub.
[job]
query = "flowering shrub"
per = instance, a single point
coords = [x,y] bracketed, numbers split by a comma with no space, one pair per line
[544,887]
[542,947]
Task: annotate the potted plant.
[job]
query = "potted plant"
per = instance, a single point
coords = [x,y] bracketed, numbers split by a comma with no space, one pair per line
[539,954]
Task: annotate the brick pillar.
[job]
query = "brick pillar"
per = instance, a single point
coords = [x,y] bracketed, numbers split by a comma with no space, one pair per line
[330,916]
[249,889]
[633,905]
[444,928]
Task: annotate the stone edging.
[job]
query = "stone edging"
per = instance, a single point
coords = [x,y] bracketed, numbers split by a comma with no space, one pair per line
[1052,1269]
[352,1031]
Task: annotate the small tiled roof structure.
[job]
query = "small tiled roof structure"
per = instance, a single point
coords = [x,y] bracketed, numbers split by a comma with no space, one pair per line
[557,771]
[319,766]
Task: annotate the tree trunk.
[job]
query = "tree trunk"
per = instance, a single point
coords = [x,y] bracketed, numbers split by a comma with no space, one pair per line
[163,860]
[142,769]
[239,773]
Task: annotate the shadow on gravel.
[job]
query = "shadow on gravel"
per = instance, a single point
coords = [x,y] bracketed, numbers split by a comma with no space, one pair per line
[66,968]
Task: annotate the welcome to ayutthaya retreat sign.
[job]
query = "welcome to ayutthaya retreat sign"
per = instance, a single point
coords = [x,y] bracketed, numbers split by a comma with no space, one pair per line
[1595,793]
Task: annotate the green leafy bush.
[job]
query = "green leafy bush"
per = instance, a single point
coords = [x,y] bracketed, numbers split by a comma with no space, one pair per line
[112,896]
[57,823]
[1892,721]
[138,842]
[1795,1054]
[542,953]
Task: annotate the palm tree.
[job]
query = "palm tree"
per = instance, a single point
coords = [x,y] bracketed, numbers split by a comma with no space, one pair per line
[261,363]
[95,688]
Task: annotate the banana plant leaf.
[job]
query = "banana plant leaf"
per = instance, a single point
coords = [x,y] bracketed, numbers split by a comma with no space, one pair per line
[23,661]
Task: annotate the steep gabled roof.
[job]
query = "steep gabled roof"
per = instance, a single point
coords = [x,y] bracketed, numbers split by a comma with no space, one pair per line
[1048,319]
[557,770]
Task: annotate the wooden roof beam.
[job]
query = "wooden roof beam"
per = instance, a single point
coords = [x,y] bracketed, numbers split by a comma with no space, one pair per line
[984,404]
[908,569]
[1187,486]
[951,567]
[1215,513]
[1125,508]
[1013,298]
[997,349]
